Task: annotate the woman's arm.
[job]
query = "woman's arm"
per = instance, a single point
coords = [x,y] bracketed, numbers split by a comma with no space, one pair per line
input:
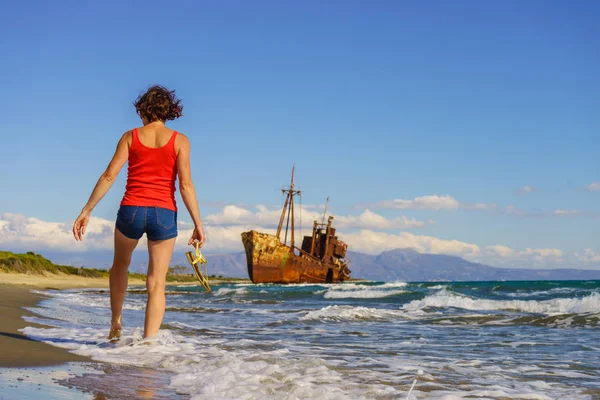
[186,188]
[104,183]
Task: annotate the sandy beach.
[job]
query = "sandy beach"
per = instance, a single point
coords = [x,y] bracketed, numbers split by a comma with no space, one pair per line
[30,367]
[58,281]
[16,349]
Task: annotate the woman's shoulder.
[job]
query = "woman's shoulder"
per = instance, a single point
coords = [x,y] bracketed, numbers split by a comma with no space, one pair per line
[127,137]
[181,138]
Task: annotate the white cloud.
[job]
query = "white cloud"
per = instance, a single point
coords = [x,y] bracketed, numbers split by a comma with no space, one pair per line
[507,252]
[447,202]
[234,215]
[593,187]
[223,229]
[371,220]
[512,210]
[18,230]
[504,255]
[430,202]
[588,256]
[554,253]
[502,251]
[24,233]
[479,206]
[565,213]
[372,242]
[525,190]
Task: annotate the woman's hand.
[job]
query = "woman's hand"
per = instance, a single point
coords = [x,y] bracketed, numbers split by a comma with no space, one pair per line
[198,235]
[80,225]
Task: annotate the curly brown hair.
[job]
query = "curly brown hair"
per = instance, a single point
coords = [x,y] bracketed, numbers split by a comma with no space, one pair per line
[158,104]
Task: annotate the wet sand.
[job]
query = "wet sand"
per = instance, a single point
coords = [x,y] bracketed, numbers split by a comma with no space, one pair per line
[16,349]
[33,370]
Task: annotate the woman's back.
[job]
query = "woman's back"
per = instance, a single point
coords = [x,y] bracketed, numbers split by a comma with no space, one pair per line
[152,168]
[154,136]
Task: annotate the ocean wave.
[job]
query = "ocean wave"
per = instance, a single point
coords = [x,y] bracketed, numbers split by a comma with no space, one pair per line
[550,292]
[445,299]
[351,313]
[231,291]
[437,287]
[362,291]
[94,300]
[362,286]
[198,310]
[361,294]
[247,347]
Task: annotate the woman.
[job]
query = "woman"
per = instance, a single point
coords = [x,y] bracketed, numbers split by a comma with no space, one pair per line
[157,156]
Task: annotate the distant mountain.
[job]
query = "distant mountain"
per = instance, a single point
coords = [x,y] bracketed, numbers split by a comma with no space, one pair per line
[395,265]
[410,266]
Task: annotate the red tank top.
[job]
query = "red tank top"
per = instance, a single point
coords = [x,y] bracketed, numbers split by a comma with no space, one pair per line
[151,175]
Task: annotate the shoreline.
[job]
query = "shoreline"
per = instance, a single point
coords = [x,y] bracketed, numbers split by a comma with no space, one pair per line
[16,349]
[32,367]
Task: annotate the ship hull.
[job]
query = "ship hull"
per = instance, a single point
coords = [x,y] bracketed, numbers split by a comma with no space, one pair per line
[269,261]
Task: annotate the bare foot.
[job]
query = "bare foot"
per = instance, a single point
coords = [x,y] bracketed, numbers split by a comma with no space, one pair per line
[115,330]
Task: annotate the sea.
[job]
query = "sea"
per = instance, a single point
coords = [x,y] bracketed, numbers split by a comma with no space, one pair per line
[358,340]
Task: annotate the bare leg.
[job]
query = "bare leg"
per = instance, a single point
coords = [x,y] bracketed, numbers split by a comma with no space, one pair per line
[160,252]
[118,275]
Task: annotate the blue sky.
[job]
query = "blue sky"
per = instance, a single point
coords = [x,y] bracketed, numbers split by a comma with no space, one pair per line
[371,102]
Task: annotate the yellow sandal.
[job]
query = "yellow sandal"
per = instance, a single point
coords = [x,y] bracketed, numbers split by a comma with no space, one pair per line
[196,261]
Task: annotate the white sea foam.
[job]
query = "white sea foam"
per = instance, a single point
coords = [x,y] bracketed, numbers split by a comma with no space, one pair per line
[542,292]
[359,286]
[444,299]
[359,291]
[361,294]
[352,313]
[95,300]
[233,291]
[205,370]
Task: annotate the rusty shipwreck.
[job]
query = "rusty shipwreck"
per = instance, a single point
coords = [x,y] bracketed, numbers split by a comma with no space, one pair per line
[321,259]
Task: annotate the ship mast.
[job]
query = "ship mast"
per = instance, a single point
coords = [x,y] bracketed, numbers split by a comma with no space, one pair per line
[288,207]
[325,212]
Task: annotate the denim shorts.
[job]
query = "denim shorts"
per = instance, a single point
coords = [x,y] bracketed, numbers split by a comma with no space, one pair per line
[158,223]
